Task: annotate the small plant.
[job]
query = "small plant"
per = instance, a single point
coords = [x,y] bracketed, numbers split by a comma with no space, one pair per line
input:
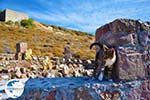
[17,23]
[27,23]
[9,22]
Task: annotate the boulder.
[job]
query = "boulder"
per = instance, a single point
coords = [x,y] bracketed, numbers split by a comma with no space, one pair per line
[119,39]
[131,39]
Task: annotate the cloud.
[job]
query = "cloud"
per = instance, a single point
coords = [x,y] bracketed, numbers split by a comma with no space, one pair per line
[83,15]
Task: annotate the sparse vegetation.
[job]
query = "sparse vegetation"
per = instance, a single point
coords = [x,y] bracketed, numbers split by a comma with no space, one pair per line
[49,43]
[9,22]
[27,23]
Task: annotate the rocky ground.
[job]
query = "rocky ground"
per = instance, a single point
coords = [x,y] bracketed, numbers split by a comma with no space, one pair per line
[44,67]
[130,38]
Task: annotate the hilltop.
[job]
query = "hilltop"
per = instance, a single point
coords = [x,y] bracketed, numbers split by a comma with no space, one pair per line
[45,39]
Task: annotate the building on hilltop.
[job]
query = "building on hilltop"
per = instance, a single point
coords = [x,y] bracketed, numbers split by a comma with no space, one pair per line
[7,15]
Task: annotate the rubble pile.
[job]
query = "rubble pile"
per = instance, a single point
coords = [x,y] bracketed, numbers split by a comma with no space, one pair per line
[45,67]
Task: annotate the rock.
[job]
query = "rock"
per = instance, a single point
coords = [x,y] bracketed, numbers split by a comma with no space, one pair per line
[67,53]
[144,39]
[89,72]
[82,94]
[54,73]
[118,39]
[51,95]
[89,61]
[116,95]
[130,64]
[141,92]
[4,76]
[131,39]
[121,25]
[47,63]
[106,95]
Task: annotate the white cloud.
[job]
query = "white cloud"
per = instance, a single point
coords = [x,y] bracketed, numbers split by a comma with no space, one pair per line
[86,16]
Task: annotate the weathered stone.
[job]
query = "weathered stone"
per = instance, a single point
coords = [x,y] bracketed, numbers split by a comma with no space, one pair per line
[82,94]
[144,39]
[131,39]
[130,64]
[106,95]
[51,95]
[118,39]
[121,25]
[141,92]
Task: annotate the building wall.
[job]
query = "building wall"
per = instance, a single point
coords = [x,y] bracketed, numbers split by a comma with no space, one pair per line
[8,14]
[2,16]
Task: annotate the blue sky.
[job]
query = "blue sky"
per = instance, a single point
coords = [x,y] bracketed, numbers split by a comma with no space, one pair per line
[83,15]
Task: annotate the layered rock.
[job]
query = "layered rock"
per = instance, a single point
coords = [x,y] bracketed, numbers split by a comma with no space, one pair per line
[131,39]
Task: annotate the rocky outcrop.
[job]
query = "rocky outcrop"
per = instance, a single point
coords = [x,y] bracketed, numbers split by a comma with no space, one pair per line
[122,25]
[131,39]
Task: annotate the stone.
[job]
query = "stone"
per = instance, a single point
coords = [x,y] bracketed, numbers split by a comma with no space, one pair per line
[118,39]
[121,25]
[116,95]
[4,76]
[82,94]
[131,40]
[141,92]
[47,63]
[106,95]
[144,39]
[51,95]
[21,47]
[130,64]
[67,53]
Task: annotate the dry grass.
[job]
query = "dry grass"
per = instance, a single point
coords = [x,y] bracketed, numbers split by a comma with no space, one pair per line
[46,42]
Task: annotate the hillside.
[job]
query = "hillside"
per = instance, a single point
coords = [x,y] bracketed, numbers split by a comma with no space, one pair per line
[45,40]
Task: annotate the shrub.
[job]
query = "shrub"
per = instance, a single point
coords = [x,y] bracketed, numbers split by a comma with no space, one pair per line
[27,23]
[17,23]
[9,22]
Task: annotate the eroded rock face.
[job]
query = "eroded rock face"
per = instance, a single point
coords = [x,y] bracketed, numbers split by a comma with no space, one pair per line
[131,39]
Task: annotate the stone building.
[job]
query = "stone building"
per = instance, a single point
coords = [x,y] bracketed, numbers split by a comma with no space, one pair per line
[7,15]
